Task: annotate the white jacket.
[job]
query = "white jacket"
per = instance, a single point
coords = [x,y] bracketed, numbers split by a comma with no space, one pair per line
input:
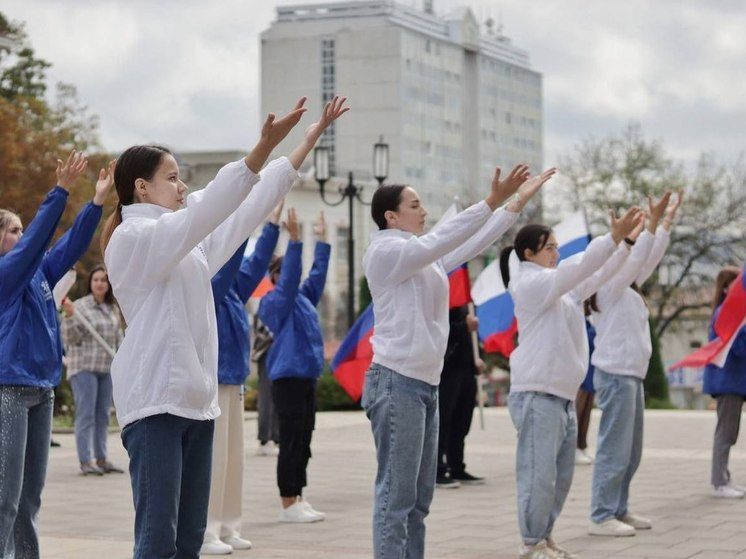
[408,281]
[622,344]
[160,264]
[552,352]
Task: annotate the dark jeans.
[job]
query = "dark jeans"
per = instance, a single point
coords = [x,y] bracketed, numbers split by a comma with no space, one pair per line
[726,434]
[457,395]
[25,430]
[269,427]
[295,402]
[170,461]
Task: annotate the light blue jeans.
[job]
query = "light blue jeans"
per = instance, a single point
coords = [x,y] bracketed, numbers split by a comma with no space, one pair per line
[545,459]
[403,414]
[25,431]
[622,402]
[93,396]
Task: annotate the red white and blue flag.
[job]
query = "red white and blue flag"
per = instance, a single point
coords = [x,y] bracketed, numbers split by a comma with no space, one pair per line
[355,355]
[729,322]
[497,323]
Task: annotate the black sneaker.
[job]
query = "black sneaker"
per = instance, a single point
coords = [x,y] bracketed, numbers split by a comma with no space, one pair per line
[444,482]
[467,479]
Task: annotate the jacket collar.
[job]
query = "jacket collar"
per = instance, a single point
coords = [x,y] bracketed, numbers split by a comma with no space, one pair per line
[148,211]
[390,233]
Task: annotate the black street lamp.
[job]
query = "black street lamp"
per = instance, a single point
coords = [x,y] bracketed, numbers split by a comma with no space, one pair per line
[350,192]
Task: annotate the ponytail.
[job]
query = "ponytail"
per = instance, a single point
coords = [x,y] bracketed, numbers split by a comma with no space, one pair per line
[531,237]
[505,264]
[111,223]
[134,163]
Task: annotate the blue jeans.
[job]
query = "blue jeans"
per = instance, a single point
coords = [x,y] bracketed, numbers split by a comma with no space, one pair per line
[622,402]
[170,461]
[403,414]
[545,460]
[25,431]
[92,392]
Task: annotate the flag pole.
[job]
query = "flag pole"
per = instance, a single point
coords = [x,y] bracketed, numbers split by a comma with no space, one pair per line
[475,353]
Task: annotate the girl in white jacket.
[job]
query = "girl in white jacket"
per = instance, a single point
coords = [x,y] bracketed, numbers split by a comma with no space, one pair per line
[548,366]
[620,359]
[160,259]
[406,272]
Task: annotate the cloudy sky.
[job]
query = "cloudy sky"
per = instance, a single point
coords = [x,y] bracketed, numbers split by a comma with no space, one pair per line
[186,72]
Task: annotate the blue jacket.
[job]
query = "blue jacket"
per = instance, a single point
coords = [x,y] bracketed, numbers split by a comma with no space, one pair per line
[587,384]
[731,378]
[289,311]
[231,287]
[30,345]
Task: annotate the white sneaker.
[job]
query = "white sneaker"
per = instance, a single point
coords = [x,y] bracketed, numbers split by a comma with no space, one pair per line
[559,551]
[268,449]
[538,551]
[297,513]
[611,527]
[740,488]
[727,492]
[582,458]
[311,510]
[637,522]
[215,548]
[237,543]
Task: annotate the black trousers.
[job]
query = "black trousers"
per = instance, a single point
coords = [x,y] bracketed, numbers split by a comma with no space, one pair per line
[457,396]
[295,405]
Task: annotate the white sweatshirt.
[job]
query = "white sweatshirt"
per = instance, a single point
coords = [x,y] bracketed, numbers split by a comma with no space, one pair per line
[622,343]
[552,352]
[160,263]
[408,281]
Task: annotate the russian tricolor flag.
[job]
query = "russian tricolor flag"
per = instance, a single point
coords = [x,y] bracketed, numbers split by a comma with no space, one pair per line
[497,322]
[459,284]
[355,355]
[731,319]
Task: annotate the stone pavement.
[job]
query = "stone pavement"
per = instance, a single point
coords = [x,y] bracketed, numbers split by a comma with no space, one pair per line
[86,518]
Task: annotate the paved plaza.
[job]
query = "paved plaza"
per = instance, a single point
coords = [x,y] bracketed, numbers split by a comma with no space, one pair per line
[86,518]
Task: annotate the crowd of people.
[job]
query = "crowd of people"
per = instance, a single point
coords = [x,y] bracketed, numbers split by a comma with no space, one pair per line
[177,276]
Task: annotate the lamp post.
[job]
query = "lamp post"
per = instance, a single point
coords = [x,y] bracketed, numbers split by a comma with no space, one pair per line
[350,193]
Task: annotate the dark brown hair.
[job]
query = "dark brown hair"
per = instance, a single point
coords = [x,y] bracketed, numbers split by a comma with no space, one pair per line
[137,162]
[532,237]
[385,199]
[109,296]
[725,277]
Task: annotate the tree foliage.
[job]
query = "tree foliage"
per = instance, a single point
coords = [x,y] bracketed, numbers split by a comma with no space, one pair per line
[619,170]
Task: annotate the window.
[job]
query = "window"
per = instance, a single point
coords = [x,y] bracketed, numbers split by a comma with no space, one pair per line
[327,94]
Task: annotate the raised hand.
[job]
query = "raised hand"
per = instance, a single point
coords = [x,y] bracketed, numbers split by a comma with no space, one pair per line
[671,209]
[501,190]
[71,169]
[319,228]
[621,227]
[637,230]
[275,130]
[292,225]
[276,214]
[656,210]
[332,111]
[530,187]
[104,183]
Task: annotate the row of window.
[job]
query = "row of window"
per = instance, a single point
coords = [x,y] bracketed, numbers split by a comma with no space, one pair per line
[328,88]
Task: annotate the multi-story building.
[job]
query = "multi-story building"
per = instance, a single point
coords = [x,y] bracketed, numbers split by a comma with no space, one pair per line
[453,98]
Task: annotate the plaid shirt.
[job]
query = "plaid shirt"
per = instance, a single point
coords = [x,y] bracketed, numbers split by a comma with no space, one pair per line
[83,353]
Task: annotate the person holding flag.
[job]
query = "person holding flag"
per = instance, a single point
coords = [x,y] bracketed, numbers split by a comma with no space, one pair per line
[620,362]
[406,272]
[31,348]
[548,365]
[727,382]
[231,288]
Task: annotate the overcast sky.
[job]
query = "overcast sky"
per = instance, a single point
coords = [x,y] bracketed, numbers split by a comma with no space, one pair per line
[186,72]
